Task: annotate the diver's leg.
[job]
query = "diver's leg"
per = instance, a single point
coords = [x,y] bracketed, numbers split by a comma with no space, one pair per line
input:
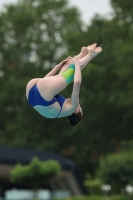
[51,86]
[83,53]
[84,50]
[86,59]
[91,54]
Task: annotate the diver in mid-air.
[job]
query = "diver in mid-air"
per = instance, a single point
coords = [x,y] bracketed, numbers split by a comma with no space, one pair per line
[43,93]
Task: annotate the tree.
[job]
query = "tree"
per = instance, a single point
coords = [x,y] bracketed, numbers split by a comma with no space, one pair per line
[34,37]
[107,92]
[36,173]
[123,10]
[116,170]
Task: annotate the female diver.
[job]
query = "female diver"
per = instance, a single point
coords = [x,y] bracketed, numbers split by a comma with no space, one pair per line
[43,93]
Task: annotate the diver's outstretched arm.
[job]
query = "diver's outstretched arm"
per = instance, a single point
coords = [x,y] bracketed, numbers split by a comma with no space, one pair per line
[77,83]
[57,67]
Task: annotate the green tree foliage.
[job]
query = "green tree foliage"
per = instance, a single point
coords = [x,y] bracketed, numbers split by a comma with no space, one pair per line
[123,10]
[94,186]
[36,35]
[116,170]
[36,173]
[107,96]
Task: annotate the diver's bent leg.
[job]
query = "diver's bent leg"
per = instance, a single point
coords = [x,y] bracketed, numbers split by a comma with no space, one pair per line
[92,54]
[84,52]
[51,86]
[66,66]
[83,61]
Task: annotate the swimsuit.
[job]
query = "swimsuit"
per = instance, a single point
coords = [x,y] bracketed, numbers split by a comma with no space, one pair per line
[69,74]
[38,102]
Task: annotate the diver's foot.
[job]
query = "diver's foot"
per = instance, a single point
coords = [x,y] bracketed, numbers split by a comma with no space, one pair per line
[92,46]
[94,52]
[84,51]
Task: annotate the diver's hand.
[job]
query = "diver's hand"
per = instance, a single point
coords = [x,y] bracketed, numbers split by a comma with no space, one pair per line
[76,61]
[60,65]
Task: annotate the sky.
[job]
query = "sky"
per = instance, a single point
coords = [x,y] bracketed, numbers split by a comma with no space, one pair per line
[88,8]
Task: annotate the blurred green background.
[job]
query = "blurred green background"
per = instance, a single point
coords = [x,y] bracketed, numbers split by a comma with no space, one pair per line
[36,35]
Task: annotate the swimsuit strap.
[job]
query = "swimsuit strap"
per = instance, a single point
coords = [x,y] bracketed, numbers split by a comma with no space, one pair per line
[61,100]
[59,113]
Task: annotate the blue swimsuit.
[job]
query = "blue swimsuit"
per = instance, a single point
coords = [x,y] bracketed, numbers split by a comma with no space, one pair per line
[35,99]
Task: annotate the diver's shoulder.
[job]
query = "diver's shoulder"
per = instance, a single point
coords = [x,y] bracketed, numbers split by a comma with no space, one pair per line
[68,106]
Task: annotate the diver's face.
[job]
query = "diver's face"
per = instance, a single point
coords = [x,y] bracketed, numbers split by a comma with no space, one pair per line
[79,109]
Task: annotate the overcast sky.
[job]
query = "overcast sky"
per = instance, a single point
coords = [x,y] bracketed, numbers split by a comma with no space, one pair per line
[88,8]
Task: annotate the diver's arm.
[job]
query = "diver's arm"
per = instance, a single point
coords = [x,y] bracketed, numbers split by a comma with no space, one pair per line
[57,68]
[53,71]
[77,83]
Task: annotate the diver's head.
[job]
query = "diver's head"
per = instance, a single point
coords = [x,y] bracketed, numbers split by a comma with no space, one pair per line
[76,117]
